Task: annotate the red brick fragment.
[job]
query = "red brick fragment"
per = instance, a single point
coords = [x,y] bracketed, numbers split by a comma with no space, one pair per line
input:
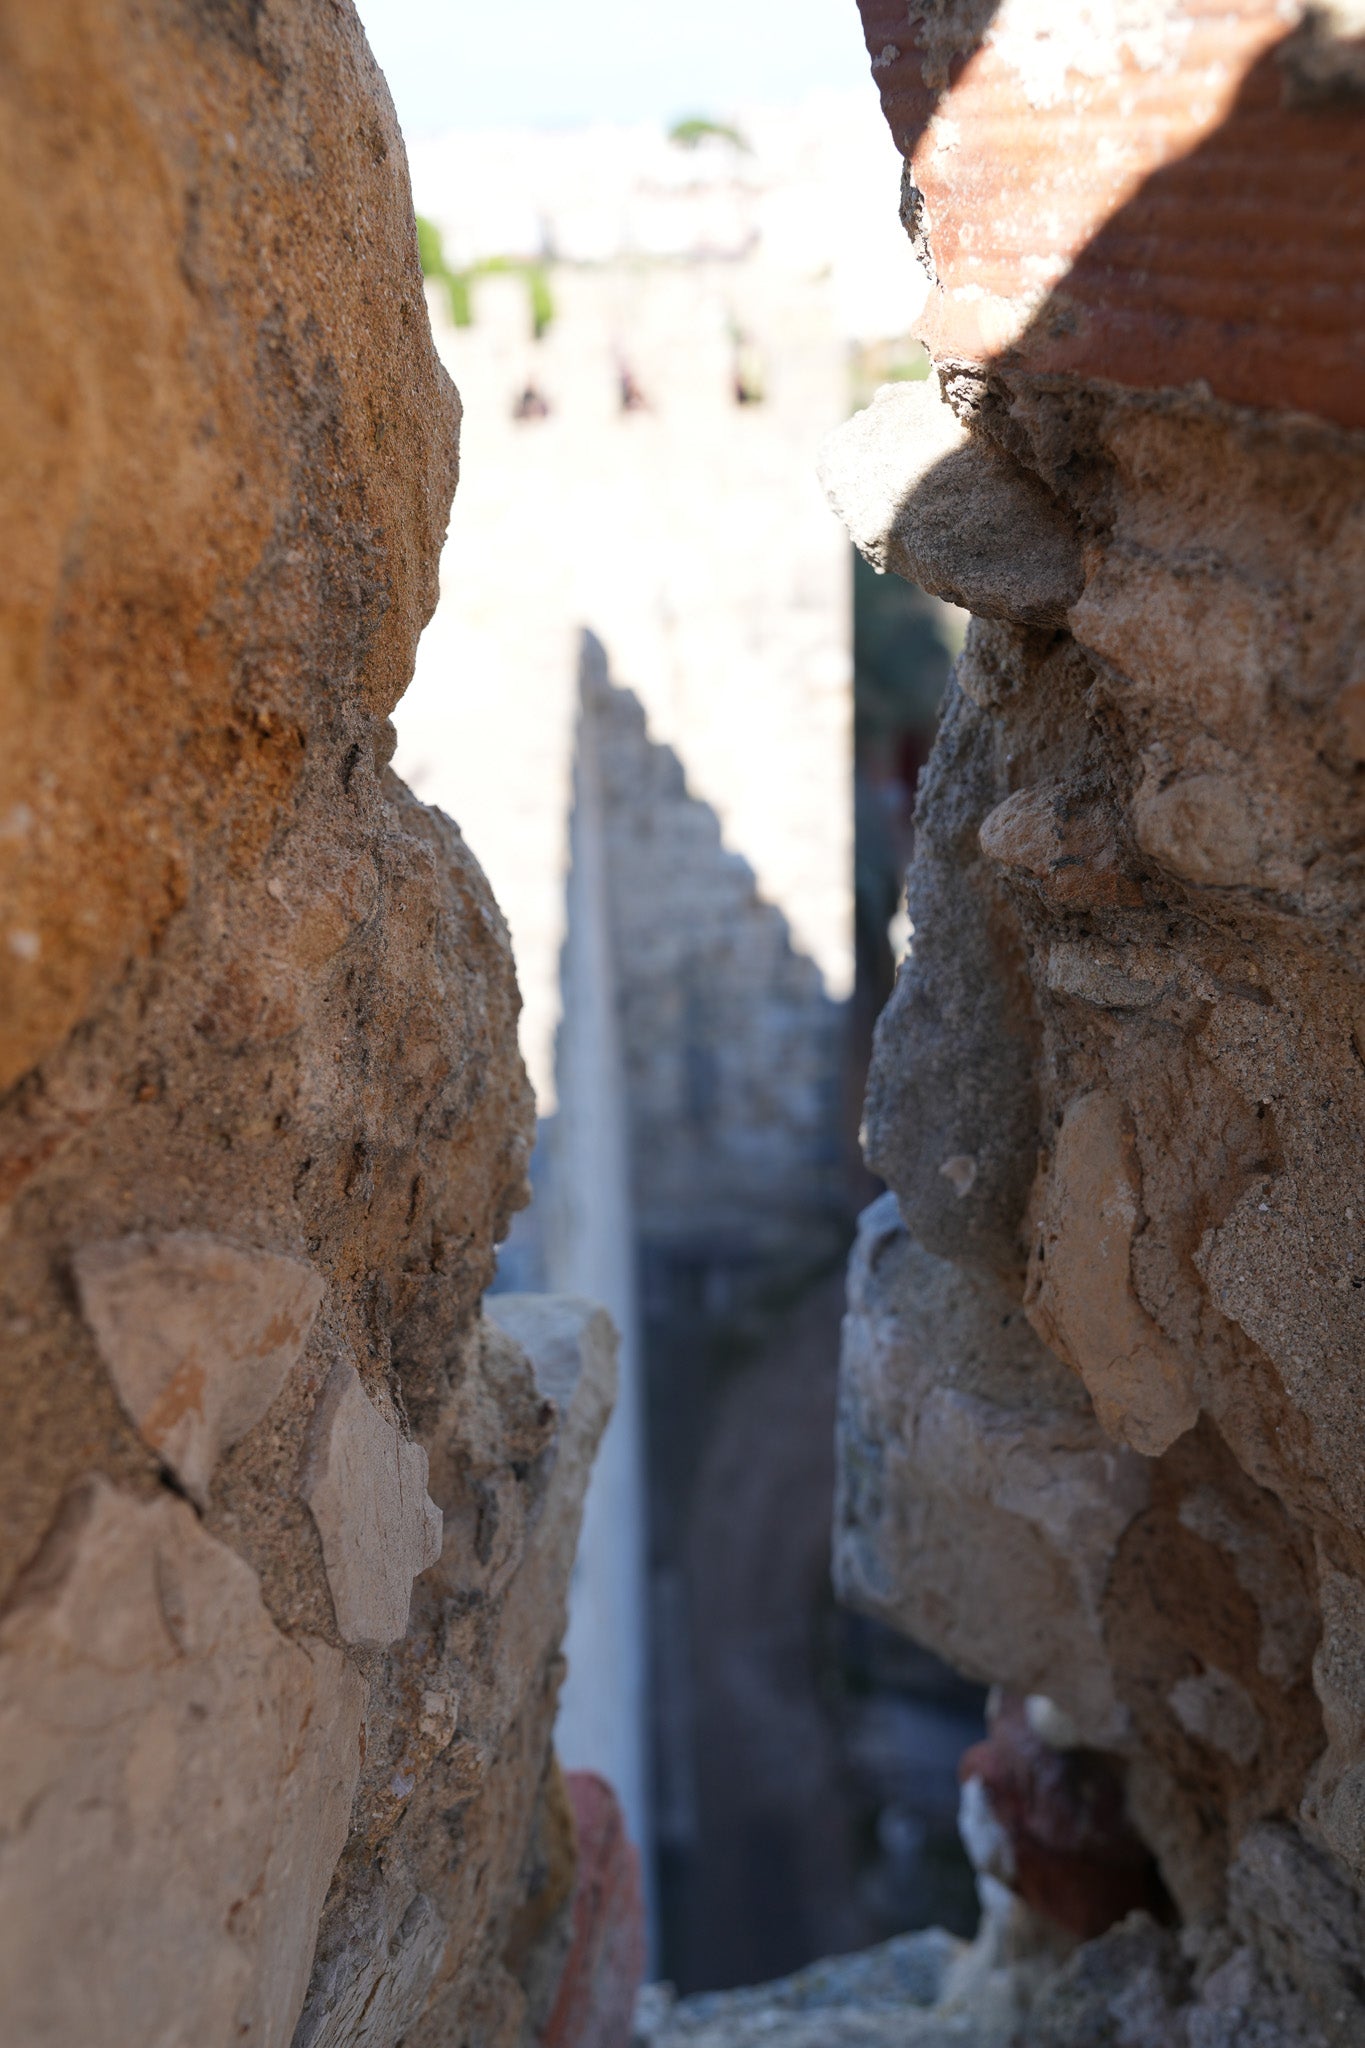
[605,1966]
[1178,208]
[1076,1856]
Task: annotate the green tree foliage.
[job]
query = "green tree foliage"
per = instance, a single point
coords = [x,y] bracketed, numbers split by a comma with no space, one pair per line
[432,256]
[542,302]
[692,132]
[459,284]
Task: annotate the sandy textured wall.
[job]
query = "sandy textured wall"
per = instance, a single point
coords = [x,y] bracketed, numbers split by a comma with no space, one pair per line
[1102,1416]
[263,1114]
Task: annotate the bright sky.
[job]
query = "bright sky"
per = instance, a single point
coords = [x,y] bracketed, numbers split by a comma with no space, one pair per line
[553,63]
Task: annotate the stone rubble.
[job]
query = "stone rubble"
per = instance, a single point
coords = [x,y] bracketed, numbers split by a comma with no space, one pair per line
[878,1998]
[366,1486]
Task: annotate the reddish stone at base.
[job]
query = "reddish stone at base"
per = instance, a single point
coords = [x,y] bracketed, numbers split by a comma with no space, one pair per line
[1077,1858]
[595,2004]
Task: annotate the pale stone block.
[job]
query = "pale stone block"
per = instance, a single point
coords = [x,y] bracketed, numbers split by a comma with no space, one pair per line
[176,1781]
[367,1488]
[975,1484]
[949,510]
[1081,1299]
[571,1345]
[198,1337]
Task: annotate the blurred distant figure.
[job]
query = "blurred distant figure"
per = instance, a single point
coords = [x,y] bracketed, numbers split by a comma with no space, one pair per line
[632,397]
[531,405]
[748,369]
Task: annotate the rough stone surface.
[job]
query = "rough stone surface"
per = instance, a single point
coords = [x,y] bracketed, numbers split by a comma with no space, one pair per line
[222,480]
[176,1785]
[367,1488]
[975,1485]
[263,1108]
[949,510]
[1081,1298]
[461,1806]
[951,1098]
[198,1338]
[1136,896]
[376,1998]
[878,1998]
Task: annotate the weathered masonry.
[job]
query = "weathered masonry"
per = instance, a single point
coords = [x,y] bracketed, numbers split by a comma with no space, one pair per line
[1103,1406]
[285,1524]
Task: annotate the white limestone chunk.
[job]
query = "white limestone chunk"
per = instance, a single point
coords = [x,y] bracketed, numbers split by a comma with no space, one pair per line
[176,1780]
[367,1488]
[949,510]
[198,1336]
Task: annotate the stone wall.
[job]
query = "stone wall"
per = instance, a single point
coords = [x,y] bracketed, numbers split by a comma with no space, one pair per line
[580,1235]
[694,1176]
[729,1041]
[285,1528]
[1101,1424]
[660,526]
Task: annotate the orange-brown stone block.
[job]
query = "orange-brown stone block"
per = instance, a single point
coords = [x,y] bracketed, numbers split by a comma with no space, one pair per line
[1159,195]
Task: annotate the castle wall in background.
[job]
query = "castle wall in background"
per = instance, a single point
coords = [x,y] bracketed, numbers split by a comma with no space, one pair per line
[582,1232]
[690,535]
[688,532]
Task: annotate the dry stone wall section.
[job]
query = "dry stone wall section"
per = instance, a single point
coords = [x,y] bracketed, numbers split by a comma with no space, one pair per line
[1102,1420]
[285,1527]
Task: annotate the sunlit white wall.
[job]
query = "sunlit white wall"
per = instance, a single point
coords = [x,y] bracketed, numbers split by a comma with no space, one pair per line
[692,536]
